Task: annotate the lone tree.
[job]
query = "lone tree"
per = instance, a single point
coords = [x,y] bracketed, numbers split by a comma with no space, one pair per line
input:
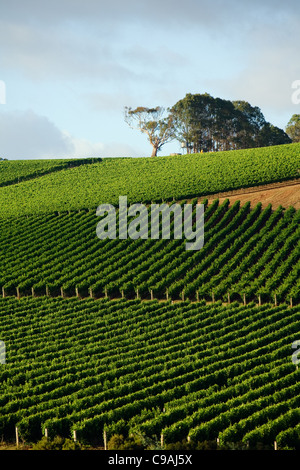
[151,121]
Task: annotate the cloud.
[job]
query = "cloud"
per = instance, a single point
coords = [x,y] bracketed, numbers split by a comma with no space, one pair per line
[84,148]
[53,54]
[148,44]
[110,39]
[271,68]
[100,56]
[26,135]
[107,14]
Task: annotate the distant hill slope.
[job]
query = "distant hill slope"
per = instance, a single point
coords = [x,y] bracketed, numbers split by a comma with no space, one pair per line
[150,179]
[15,171]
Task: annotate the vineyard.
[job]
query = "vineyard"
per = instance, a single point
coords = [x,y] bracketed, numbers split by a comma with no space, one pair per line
[146,179]
[185,369]
[247,253]
[141,337]
[16,171]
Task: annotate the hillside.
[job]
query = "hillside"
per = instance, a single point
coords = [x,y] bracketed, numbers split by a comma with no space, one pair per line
[246,252]
[15,171]
[141,336]
[150,179]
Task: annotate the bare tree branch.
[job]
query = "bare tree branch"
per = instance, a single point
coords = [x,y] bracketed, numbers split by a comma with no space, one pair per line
[151,121]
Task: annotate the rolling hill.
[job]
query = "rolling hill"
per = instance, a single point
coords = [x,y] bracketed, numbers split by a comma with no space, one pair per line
[142,337]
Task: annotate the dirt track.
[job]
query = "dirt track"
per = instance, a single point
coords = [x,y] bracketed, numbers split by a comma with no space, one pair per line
[286,194]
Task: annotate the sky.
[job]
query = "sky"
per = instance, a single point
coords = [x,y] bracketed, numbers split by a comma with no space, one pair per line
[68,68]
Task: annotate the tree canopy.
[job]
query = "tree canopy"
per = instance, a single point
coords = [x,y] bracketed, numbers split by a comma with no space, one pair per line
[152,122]
[208,124]
[202,123]
[293,128]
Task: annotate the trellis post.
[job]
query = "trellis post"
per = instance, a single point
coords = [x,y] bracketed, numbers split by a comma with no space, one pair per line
[17,437]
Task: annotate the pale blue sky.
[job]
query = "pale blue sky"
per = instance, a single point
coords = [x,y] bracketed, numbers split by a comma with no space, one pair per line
[70,67]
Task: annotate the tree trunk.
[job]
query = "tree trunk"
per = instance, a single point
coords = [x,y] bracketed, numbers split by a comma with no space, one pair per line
[154,151]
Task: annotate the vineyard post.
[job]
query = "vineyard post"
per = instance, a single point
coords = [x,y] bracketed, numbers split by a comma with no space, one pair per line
[3,292]
[91,292]
[105,439]
[275,445]
[46,433]
[62,292]
[275,300]
[218,442]
[182,296]
[197,296]
[151,294]
[162,441]
[137,294]
[122,293]
[245,299]
[228,298]
[291,302]
[32,292]
[76,291]
[105,292]
[18,293]
[213,297]
[167,294]
[17,437]
[47,291]
[259,299]
[74,435]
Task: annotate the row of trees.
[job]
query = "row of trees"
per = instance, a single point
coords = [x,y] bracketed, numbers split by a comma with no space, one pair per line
[202,123]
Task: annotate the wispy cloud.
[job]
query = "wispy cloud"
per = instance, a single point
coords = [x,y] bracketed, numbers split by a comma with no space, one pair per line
[26,135]
[95,57]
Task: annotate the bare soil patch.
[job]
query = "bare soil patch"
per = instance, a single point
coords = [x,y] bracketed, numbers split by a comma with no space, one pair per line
[286,194]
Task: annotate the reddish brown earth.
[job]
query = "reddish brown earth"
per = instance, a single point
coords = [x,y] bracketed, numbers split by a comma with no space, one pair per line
[285,194]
